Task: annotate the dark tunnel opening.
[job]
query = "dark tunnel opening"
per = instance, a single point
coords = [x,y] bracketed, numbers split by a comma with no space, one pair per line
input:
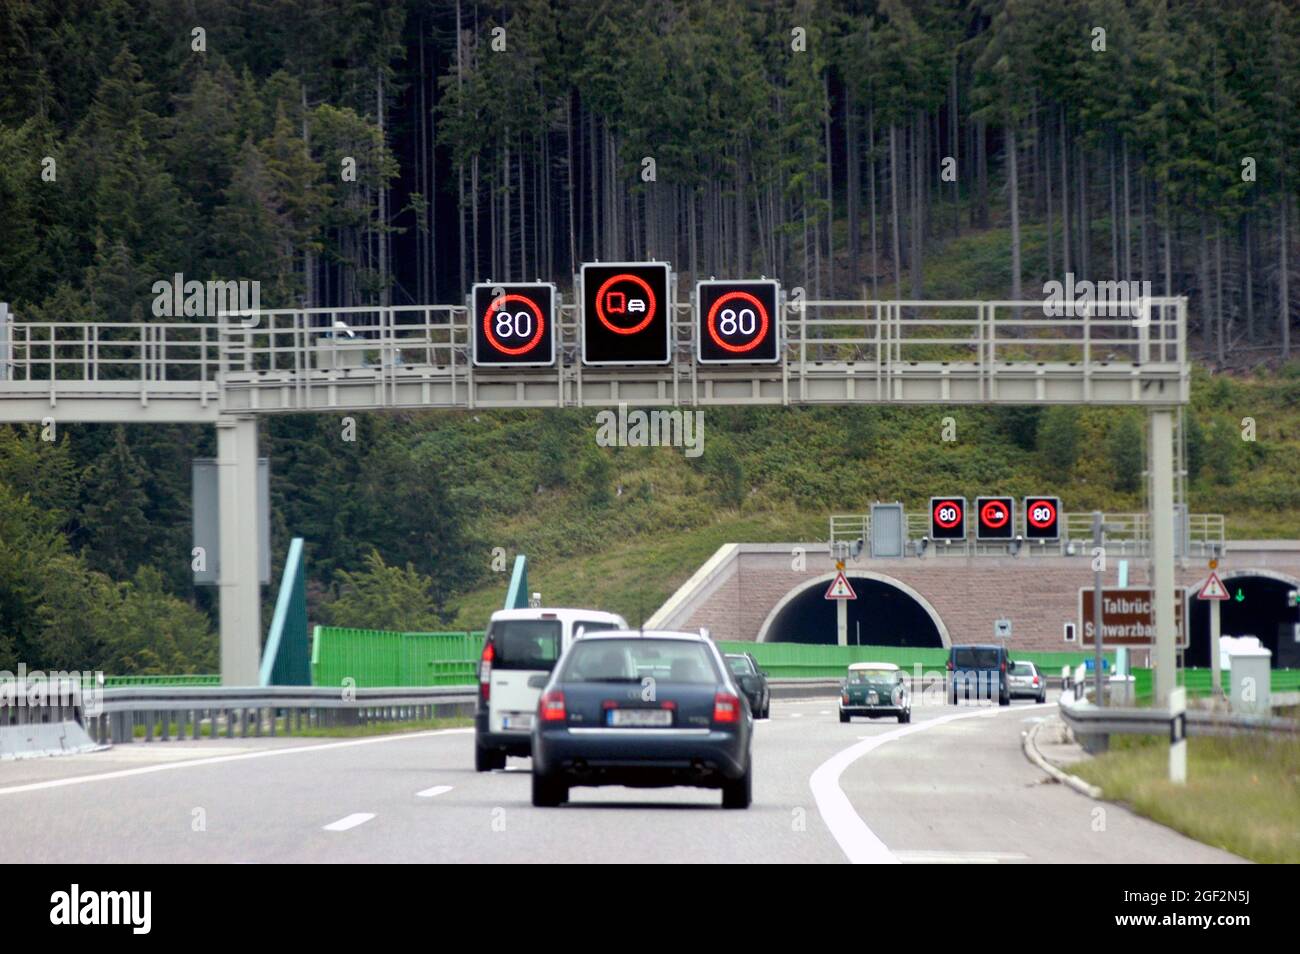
[1257,607]
[882,615]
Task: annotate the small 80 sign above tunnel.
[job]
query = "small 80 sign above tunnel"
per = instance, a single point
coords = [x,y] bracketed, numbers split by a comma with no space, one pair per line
[513,325]
[737,322]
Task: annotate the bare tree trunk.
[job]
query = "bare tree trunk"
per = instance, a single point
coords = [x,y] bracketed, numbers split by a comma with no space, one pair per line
[1014,190]
[1249,278]
[473,185]
[573,240]
[893,198]
[1218,290]
[871,161]
[383,192]
[1114,216]
[1082,166]
[1063,147]
[1128,225]
[1051,232]
[1283,277]
[852,186]
[915,260]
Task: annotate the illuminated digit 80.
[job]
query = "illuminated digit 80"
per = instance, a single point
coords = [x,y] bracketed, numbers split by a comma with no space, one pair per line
[747,322]
[517,325]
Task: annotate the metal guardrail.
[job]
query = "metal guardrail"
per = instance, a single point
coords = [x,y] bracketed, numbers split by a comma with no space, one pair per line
[1093,726]
[183,712]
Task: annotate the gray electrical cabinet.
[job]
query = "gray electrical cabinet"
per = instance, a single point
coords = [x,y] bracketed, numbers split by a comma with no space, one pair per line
[888,530]
[207,526]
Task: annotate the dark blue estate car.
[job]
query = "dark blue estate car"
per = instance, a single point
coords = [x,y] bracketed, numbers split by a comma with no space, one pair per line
[979,671]
[644,709]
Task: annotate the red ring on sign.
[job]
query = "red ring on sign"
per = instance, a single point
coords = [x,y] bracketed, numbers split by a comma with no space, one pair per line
[711,324]
[994,506]
[1033,505]
[600,308]
[955,520]
[495,306]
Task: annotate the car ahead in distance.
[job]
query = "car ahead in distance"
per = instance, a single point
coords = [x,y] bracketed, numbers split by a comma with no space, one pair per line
[982,668]
[875,690]
[647,709]
[520,644]
[1025,680]
[752,682]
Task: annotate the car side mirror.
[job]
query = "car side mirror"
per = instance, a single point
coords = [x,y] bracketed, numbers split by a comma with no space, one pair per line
[539,681]
[763,673]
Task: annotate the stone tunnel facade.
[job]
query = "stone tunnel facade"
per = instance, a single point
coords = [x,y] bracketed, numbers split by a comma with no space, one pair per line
[740,591]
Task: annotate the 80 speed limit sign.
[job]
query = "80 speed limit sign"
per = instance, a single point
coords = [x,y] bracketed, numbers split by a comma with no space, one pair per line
[513,325]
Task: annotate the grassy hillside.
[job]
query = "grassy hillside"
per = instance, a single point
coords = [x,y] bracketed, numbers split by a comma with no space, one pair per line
[775,474]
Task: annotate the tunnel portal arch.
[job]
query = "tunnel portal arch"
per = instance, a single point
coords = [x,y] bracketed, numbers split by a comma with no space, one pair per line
[890,612]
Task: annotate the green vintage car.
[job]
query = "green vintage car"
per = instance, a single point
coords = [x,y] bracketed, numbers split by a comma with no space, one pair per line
[875,690]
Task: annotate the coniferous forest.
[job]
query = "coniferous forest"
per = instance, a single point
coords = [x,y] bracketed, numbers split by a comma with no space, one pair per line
[886,149]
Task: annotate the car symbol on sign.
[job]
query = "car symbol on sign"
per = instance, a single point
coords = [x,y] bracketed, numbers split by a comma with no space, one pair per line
[636,304]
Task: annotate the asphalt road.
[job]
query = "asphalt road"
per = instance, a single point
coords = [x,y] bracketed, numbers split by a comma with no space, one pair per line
[951,787]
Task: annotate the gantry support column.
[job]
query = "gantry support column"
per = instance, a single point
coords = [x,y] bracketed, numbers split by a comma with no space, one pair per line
[238,519]
[1162,550]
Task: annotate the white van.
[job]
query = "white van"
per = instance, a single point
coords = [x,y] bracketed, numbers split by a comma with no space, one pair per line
[519,644]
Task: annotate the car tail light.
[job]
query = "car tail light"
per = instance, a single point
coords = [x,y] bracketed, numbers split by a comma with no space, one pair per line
[485,672]
[1035,680]
[1003,667]
[950,665]
[726,707]
[551,708]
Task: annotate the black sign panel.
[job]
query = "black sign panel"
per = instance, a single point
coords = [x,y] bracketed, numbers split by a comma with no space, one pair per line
[626,313]
[1042,518]
[995,518]
[737,322]
[513,325]
[947,518]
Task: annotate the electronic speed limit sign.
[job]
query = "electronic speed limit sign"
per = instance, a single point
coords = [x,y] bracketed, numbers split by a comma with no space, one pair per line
[513,325]
[947,518]
[1043,518]
[737,322]
[994,518]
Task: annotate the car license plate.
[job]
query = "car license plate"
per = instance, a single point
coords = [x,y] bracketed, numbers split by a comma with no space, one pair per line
[519,720]
[639,718]
[872,699]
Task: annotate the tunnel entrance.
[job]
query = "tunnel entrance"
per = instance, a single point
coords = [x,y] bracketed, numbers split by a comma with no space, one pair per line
[886,613]
[1262,611]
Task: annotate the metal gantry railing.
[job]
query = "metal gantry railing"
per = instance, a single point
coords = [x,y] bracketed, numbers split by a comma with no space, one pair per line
[420,355]
[1127,534]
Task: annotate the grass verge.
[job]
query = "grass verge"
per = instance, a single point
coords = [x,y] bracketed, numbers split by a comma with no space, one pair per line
[1242,794]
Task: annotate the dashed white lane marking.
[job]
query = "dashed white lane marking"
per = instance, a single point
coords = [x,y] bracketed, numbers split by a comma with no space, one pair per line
[958,857]
[350,821]
[431,792]
[858,842]
[218,759]
[796,715]
[823,711]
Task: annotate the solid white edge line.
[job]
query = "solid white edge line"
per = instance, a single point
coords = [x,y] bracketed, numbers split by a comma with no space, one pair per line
[858,842]
[350,821]
[218,759]
[431,792]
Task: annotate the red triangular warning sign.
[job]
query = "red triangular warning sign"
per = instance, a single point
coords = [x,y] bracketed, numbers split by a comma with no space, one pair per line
[840,589]
[1213,589]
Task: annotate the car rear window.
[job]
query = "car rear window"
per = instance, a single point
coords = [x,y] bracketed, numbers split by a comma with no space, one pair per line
[740,665]
[1022,669]
[871,675]
[525,644]
[975,657]
[631,660]
[592,626]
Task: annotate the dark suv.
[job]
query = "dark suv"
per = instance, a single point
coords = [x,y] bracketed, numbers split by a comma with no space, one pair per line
[983,667]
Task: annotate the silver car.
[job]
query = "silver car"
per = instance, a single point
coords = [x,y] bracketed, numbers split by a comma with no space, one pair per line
[1025,680]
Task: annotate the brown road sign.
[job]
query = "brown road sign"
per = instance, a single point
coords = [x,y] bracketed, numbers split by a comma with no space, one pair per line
[1127,617]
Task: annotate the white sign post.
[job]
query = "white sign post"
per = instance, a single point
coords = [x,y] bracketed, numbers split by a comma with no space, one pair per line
[1178,736]
[841,592]
[1215,592]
